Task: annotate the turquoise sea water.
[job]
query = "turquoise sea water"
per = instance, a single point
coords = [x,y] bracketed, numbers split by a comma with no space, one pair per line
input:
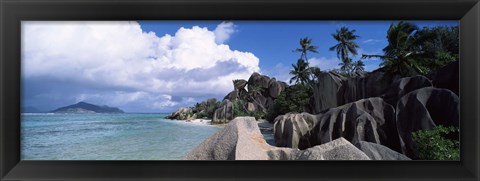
[46,136]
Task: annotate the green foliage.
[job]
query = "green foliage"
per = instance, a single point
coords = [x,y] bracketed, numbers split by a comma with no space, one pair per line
[300,72]
[315,73]
[306,46]
[206,108]
[358,66]
[239,109]
[433,144]
[346,66]
[254,90]
[293,99]
[440,46]
[412,51]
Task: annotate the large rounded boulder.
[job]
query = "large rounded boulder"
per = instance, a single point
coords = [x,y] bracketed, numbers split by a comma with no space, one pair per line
[423,109]
[371,120]
[403,86]
[261,81]
[275,88]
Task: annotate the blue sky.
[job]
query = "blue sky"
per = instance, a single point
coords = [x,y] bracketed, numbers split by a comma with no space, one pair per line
[158,66]
[273,41]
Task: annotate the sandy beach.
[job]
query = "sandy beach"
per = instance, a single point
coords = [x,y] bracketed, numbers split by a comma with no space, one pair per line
[200,121]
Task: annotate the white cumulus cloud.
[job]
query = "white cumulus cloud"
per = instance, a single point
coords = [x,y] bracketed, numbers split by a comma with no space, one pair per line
[223,31]
[121,61]
[325,63]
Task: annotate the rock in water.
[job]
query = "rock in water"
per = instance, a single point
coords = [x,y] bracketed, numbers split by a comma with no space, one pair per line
[183,113]
[403,86]
[241,140]
[448,77]
[423,109]
[224,113]
[379,152]
[370,120]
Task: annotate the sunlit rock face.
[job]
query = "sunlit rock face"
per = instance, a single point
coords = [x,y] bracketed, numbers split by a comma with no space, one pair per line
[241,140]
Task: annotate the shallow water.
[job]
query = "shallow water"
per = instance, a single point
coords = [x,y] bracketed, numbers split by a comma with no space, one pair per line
[47,136]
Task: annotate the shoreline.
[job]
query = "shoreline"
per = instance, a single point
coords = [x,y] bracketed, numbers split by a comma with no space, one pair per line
[199,121]
[203,122]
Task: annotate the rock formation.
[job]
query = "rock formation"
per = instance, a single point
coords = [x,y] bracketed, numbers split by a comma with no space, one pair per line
[241,140]
[182,114]
[346,118]
[223,114]
[333,90]
[270,89]
[327,93]
[362,86]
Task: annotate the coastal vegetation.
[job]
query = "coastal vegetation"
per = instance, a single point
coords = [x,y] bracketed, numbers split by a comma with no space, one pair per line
[435,145]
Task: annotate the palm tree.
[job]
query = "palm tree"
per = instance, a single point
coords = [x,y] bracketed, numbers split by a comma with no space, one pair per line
[300,72]
[254,90]
[346,45]
[315,71]
[346,65]
[306,46]
[401,55]
[358,66]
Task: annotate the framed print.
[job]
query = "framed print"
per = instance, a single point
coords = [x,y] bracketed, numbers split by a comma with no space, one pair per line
[249,90]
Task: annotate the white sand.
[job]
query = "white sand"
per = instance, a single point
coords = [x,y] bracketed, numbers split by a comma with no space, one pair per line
[200,121]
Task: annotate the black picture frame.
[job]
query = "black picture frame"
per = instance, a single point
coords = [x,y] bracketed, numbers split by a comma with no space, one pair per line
[12,12]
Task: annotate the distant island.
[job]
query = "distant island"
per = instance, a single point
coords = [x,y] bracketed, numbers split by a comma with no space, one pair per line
[83,107]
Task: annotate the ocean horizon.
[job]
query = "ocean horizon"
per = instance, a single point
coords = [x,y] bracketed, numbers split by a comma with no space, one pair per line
[126,136]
